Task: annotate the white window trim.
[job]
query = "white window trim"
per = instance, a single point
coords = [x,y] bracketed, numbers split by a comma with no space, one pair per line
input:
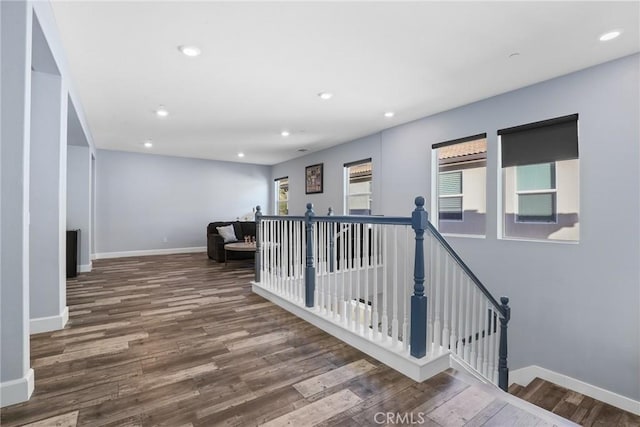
[277,196]
[345,189]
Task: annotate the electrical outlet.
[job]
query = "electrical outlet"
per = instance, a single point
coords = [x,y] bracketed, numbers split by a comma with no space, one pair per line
[164,239]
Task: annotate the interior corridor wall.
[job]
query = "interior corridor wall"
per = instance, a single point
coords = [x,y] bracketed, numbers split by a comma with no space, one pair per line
[79,200]
[147,202]
[574,305]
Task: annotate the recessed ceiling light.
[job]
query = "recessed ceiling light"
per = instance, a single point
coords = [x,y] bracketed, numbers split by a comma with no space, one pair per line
[285,133]
[148,144]
[240,154]
[610,35]
[325,95]
[514,55]
[190,50]
[389,114]
[162,112]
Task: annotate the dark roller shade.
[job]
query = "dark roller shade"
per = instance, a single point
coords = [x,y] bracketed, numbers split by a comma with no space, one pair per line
[540,142]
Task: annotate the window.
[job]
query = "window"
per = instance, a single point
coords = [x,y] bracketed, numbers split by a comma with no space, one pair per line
[536,192]
[460,186]
[540,170]
[282,196]
[358,187]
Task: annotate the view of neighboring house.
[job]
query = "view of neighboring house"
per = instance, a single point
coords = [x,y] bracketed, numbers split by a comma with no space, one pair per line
[462,180]
[525,152]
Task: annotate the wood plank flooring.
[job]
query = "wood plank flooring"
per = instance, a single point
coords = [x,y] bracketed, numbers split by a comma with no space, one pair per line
[573,406]
[179,340]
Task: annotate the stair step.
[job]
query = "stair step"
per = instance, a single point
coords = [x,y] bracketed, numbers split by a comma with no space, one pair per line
[515,389]
[572,405]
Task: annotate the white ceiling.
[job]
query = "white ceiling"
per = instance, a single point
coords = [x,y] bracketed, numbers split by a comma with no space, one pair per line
[263,64]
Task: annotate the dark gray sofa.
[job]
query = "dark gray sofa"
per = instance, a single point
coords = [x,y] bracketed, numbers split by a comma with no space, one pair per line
[215,242]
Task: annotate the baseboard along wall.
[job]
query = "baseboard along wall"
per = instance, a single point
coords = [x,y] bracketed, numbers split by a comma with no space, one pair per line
[16,391]
[125,254]
[51,323]
[524,376]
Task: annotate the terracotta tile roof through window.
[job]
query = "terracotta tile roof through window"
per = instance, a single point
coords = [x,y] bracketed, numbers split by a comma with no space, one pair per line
[464,149]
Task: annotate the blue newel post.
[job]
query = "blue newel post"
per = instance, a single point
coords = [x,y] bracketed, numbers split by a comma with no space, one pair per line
[310,270]
[503,369]
[258,243]
[419,220]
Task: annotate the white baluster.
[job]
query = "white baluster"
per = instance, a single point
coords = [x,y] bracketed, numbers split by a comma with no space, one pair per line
[298,269]
[290,275]
[461,312]
[429,290]
[358,271]
[318,239]
[406,291]
[453,338]
[474,328]
[285,259]
[445,311]
[480,328]
[437,331]
[325,261]
[485,340]
[335,273]
[375,319]
[494,345]
[347,303]
[385,261]
[395,278]
[269,254]
[367,263]
[467,316]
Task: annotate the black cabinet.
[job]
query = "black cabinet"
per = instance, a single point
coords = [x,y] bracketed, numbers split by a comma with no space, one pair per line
[73,248]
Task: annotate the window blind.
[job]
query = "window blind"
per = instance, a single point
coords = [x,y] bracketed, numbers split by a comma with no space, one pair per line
[450,183]
[540,142]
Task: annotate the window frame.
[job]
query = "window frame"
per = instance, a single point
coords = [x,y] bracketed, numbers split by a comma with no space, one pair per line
[277,201]
[566,129]
[347,181]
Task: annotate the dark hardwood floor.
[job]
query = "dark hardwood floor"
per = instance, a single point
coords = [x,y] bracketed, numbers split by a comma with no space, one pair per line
[573,406]
[179,340]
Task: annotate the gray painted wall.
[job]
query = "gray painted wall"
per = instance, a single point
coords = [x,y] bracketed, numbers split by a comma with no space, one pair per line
[47,196]
[79,198]
[575,306]
[143,198]
[15,28]
[334,160]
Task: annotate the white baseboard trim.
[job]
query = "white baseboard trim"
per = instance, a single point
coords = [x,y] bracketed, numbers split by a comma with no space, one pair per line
[106,255]
[85,268]
[524,376]
[47,324]
[16,391]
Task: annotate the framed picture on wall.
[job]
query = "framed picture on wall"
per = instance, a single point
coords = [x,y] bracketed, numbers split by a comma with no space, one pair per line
[313,179]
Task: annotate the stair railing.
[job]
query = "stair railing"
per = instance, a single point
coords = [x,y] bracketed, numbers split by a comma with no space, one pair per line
[351,268]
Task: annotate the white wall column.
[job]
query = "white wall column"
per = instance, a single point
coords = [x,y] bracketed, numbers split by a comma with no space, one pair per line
[16,376]
[48,203]
[79,180]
